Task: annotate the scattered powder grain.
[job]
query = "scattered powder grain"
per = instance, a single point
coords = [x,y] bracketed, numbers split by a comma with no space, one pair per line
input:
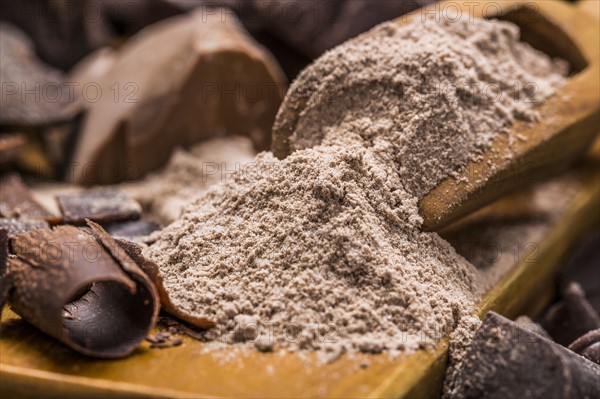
[323,250]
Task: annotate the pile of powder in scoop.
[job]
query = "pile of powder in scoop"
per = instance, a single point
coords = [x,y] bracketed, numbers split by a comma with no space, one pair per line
[188,175]
[323,250]
[427,97]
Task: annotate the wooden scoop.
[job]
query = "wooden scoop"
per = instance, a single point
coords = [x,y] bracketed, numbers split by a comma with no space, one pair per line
[568,124]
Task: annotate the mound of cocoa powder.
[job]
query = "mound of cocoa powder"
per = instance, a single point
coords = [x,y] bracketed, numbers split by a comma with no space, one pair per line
[323,250]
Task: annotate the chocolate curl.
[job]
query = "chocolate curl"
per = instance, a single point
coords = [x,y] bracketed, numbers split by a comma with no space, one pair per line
[81,289]
[588,346]
[151,269]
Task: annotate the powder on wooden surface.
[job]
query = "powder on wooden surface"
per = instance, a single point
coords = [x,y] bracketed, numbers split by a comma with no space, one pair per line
[323,250]
[188,174]
[320,250]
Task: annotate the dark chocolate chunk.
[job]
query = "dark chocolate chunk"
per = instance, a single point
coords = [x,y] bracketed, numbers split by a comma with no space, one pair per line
[33,93]
[507,361]
[11,146]
[206,54]
[65,31]
[82,289]
[582,267]
[16,201]
[16,226]
[316,25]
[588,346]
[572,317]
[98,205]
[132,229]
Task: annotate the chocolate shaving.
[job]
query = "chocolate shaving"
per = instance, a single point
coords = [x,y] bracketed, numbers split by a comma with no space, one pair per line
[508,361]
[588,346]
[151,269]
[16,201]
[572,317]
[81,289]
[16,226]
[163,341]
[99,205]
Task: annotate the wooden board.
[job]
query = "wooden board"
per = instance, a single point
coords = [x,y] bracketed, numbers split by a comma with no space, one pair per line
[32,365]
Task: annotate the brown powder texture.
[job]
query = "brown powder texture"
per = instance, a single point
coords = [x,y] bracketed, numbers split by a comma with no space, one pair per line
[188,174]
[323,250]
[427,96]
[319,251]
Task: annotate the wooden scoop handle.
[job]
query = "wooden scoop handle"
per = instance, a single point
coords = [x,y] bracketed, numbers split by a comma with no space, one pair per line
[569,119]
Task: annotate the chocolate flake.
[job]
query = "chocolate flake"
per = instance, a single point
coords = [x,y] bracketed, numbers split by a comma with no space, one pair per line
[16,201]
[99,205]
[16,226]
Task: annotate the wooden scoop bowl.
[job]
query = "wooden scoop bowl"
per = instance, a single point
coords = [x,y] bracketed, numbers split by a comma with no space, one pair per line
[569,119]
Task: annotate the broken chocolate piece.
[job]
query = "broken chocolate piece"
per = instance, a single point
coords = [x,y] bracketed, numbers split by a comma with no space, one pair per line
[506,361]
[133,229]
[33,93]
[16,201]
[163,340]
[317,25]
[572,317]
[11,146]
[582,266]
[81,289]
[65,31]
[98,205]
[209,77]
[16,226]
[588,346]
